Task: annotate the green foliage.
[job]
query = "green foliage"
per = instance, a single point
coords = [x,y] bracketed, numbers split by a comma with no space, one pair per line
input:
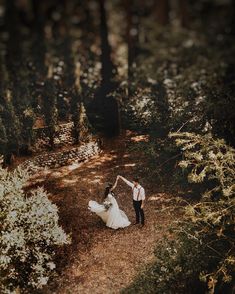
[33,42]
[176,268]
[28,119]
[76,112]
[3,138]
[29,233]
[208,159]
[63,106]
[184,78]
[211,159]
[50,109]
[200,253]
[84,125]
[11,123]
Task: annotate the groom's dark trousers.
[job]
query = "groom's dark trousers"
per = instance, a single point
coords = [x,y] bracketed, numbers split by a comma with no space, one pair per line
[139,212]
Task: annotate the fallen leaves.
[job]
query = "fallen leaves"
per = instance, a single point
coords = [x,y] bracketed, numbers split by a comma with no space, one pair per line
[102,260]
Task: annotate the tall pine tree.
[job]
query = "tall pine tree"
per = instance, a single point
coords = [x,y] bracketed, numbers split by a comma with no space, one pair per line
[50,110]
[12,127]
[3,138]
[16,62]
[76,104]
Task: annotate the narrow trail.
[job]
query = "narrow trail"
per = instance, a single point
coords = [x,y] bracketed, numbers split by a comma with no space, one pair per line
[102,260]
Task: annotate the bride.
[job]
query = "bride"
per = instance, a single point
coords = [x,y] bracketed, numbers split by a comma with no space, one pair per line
[109,210]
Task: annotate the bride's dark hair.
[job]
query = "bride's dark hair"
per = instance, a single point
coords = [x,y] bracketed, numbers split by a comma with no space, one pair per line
[107,190]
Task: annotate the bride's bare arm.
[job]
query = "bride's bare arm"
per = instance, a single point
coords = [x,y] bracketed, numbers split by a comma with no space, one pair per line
[115,185]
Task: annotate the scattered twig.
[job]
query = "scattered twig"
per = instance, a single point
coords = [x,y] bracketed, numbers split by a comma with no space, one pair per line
[183,125]
[169,159]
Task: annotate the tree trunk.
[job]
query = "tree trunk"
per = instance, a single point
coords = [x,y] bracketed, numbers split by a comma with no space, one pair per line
[107,65]
[233,18]
[110,111]
[50,110]
[132,40]
[38,46]
[76,111]
[129,41]
[184,14]
[162,11]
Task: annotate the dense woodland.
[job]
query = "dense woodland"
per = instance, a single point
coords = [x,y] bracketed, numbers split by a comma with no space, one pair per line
[162,69]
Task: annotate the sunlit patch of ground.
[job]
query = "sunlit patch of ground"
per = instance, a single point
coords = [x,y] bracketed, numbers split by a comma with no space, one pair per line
[102,260]
[140,138]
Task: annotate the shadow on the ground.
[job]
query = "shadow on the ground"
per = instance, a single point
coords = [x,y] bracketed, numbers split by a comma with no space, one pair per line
[72,187]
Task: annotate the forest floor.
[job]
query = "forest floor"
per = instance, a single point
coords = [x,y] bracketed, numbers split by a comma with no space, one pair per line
[99,259]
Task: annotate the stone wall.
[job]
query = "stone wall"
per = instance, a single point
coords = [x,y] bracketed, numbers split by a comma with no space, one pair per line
[63,137]
[62,158]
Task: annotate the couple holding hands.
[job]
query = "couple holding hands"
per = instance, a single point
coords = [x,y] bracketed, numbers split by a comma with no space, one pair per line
[109,210]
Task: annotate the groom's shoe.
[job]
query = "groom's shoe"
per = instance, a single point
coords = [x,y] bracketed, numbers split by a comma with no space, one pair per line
[136,223]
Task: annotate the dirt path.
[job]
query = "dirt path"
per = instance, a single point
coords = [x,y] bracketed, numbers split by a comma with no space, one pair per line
[102,260]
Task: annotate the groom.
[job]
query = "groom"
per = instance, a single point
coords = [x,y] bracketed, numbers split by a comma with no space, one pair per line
[138,198]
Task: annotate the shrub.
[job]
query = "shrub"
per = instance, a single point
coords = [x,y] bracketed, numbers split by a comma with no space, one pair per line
[211,160]
[200,254]
[29,234]
[176,268]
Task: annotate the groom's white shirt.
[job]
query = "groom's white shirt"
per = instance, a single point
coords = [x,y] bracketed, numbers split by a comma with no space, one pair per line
[138,192]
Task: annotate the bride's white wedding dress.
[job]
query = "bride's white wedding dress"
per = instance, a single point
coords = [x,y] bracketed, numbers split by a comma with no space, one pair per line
[113,217]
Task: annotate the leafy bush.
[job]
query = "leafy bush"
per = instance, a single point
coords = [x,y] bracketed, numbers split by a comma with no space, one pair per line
[200,254]
[29,234]
[176,269]
[211,159]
